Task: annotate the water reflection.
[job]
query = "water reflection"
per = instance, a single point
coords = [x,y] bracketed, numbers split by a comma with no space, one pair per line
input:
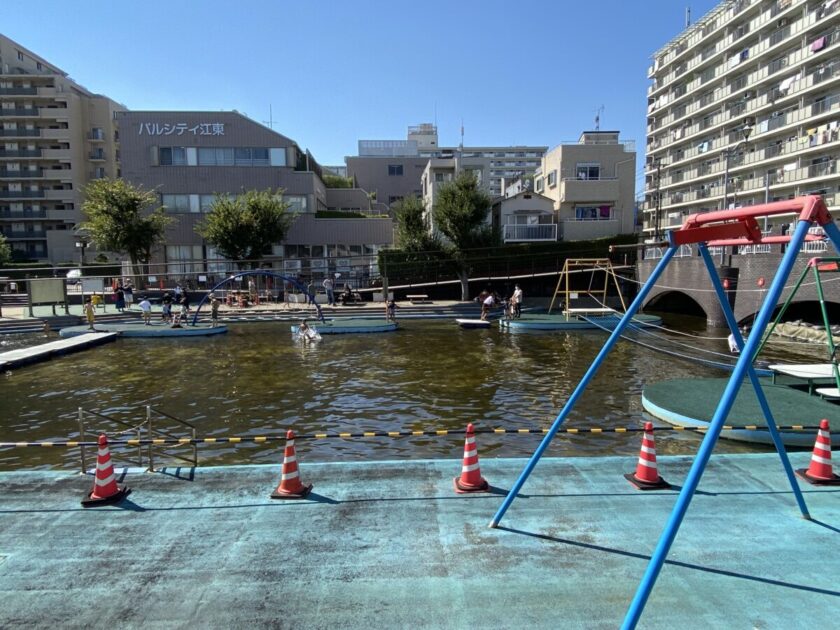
[257,380]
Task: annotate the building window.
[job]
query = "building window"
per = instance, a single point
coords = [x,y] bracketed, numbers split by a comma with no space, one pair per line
[438,177]
[552,178]
[173,156]
[593,213]
[176,203]
[20,56]
[184,258]
[216,156]
[394,199]
[297,203]
[395,170]
[538,184]
[589,170]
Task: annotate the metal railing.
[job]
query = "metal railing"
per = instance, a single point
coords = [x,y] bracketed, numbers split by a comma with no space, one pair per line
[545,232]
[155,437]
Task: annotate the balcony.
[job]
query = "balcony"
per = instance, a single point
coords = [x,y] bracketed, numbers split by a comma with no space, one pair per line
[574,230]
[573,190]
[22,194]
[19,111]
[97,156]
[39,234]
[20,153]
[18,91]
[25,214]
[7,174]
[96,136]
[530,233]
[20,133]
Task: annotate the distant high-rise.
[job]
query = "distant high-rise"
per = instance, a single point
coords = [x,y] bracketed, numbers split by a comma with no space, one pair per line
[55,137]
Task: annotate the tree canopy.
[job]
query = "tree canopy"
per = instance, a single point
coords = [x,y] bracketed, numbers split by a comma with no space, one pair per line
[412,230]
[245,227]
[460,214]
[337,181]
[122,218]
[5,251]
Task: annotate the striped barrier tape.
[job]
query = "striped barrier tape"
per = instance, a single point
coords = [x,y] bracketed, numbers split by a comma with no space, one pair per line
[392,434]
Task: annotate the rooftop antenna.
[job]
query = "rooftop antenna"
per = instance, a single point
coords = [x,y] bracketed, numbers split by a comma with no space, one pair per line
[462,135]
[687,17]
[270,121]
[598,113]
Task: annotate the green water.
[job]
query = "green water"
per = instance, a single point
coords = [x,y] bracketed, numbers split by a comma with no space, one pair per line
[256,380]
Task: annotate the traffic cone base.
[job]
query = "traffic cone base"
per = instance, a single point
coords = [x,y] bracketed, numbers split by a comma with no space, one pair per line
[92,501]
[462,488]
[659,484]
[300,493]
[834,480]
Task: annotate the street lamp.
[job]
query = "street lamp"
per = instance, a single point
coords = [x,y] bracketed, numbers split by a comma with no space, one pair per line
[746,130]
[82,242]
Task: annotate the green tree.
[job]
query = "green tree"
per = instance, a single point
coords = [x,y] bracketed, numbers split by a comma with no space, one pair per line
[412,230]
[5,251]
[124,218]
[337,181]
[245,227]
[460,214]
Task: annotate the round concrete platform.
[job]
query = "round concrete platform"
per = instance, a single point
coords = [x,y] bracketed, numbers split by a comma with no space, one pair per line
[691,402]
[349,325]
[131,329]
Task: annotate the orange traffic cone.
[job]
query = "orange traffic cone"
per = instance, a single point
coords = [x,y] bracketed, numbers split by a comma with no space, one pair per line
[105,489]
[290,486]
[470,479]
[647,476]
[819,472]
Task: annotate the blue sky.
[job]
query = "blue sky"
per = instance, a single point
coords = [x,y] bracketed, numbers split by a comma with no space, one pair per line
[333,72]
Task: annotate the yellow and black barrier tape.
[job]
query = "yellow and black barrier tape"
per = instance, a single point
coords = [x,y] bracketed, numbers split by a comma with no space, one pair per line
[281,437]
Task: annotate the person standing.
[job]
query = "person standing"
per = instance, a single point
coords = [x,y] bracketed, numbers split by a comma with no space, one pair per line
[517,301]
[119,298]
[166,311]
[486,305]
[146,307]
[128,291]
[328,287]
[214,309]
[90,313]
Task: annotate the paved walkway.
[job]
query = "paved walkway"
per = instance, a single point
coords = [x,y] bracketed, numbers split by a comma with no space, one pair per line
[390,545]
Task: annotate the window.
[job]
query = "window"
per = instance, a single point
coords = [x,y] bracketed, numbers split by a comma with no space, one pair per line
[180,258]
[593,213]
[20,56]
[242,157]
[394,199]
[538,184]
[205,202]
[176,203]
[552,178]
[438,177]
[173,156]
[588,170]
[297,203]
[395,170]
[217,156]
[39,66]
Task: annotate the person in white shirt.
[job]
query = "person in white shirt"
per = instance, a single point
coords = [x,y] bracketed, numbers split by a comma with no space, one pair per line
[146,307]
[516,298]
[328,287]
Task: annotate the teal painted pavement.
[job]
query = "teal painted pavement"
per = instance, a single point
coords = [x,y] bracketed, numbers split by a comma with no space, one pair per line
[389,545]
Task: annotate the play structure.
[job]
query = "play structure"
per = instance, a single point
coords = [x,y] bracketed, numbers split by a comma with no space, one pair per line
[726,228]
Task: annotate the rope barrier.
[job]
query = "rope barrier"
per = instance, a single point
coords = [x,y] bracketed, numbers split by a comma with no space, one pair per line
[391,434]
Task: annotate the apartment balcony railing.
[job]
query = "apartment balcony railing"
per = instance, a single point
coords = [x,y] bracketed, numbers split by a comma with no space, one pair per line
[20,153]
[20,133]
[18,91]
[96,135]
[523,233]
[19,111]
[25,214]
[22,194]
[96,155]
[6,174]
[26,235]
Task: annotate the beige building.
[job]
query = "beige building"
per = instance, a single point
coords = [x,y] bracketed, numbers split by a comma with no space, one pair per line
[592,185]
[743,108]
[55,137]
[525,217]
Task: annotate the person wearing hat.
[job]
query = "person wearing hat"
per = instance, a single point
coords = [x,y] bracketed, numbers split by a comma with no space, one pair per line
[214,309]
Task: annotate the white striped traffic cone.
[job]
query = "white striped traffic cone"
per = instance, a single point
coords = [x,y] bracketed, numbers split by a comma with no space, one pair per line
[105,489]
[647,476]
[819,471]
[290,485]
[470,479]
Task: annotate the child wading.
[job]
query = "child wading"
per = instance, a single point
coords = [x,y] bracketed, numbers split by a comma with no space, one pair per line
[90,313]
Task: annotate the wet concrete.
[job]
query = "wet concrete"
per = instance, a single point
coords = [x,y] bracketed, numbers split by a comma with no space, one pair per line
[390,545]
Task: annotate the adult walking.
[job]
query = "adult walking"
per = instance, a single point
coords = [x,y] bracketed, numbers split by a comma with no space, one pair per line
[328,287]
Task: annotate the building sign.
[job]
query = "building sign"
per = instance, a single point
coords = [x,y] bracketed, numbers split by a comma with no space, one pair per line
[179,129]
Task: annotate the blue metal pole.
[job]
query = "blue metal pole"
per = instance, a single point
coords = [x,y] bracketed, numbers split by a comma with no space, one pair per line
[833,234]
[759,392]
[634,612]
[590,373]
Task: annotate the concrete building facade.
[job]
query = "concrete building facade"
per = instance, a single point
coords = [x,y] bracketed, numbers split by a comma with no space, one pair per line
[743,108]
[592,185]
[189,157]
[525,217]
[55,137]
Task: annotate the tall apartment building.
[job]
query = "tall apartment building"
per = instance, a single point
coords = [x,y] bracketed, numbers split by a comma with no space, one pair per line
[55,137]
[393,168]
[753,90]
[592,185]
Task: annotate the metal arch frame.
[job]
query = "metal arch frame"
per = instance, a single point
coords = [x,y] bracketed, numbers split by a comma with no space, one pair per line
[719,228]
[269,274]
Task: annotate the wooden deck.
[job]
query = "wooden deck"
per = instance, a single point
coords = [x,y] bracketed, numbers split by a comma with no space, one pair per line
[43,352]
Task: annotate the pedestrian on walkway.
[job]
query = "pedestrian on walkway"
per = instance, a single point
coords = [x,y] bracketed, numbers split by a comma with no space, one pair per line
[90,313]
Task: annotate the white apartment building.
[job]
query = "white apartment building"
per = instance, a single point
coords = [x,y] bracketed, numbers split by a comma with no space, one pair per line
[55,137]
[753,90]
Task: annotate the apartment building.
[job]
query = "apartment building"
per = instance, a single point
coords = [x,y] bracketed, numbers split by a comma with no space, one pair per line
[55,137]
[189,157]
[591,183]
[393,168]
[743,108]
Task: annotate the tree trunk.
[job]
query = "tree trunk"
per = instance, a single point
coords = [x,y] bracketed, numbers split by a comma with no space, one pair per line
[463,276]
